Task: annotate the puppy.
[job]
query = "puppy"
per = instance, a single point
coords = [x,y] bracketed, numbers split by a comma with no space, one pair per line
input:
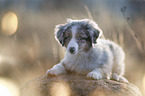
[87,54]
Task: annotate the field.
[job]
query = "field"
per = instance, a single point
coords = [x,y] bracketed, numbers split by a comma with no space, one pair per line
[28,47]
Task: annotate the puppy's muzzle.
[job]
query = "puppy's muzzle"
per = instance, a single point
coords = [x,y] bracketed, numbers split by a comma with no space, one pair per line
[72,50]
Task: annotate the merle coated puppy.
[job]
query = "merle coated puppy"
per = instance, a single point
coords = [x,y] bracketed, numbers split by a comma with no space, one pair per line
[87,54]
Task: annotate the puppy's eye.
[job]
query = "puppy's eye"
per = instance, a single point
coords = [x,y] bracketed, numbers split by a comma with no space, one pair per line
[81,38]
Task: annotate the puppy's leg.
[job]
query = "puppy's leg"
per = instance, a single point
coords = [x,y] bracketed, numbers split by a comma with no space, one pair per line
[119,65]
[56,70]
[95,74]
[100,73]
[118,73]
[119,78]
[119,68]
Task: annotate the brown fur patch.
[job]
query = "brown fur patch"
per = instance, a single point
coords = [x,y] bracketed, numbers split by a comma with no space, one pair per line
[83,39]
[67,37]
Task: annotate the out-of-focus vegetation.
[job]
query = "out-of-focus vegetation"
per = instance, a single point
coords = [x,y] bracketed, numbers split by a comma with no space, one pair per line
[28,47]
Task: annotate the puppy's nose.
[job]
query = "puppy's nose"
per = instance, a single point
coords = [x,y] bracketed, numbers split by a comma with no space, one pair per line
[72,49]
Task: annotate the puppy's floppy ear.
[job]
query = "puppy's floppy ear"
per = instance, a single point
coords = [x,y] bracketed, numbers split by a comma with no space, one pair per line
[96,34]
[60,30]
[59,33]
[94,31]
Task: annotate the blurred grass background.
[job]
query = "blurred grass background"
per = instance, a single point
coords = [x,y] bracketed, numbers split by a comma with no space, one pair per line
[28,47]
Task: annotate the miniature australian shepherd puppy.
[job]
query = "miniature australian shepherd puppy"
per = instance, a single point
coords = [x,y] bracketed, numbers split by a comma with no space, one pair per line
[87,54]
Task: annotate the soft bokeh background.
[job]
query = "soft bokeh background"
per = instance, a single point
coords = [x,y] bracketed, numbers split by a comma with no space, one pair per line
[28,47]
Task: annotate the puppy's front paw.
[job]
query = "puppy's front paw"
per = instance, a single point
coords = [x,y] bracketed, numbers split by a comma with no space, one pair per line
[53,72]
[94,75]
[115,76]
[119,78]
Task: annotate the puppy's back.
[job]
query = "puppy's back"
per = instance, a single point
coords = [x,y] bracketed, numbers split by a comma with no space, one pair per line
[118,55]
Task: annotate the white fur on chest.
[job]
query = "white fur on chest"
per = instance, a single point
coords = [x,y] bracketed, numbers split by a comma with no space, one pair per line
[85,62]
[79,64]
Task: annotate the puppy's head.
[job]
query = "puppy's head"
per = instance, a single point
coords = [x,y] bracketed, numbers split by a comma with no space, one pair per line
[77,35]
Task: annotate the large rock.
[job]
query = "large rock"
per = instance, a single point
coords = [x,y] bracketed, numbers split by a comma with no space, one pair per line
[72,85]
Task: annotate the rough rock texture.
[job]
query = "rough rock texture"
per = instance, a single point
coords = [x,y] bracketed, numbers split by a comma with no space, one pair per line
[72,85]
